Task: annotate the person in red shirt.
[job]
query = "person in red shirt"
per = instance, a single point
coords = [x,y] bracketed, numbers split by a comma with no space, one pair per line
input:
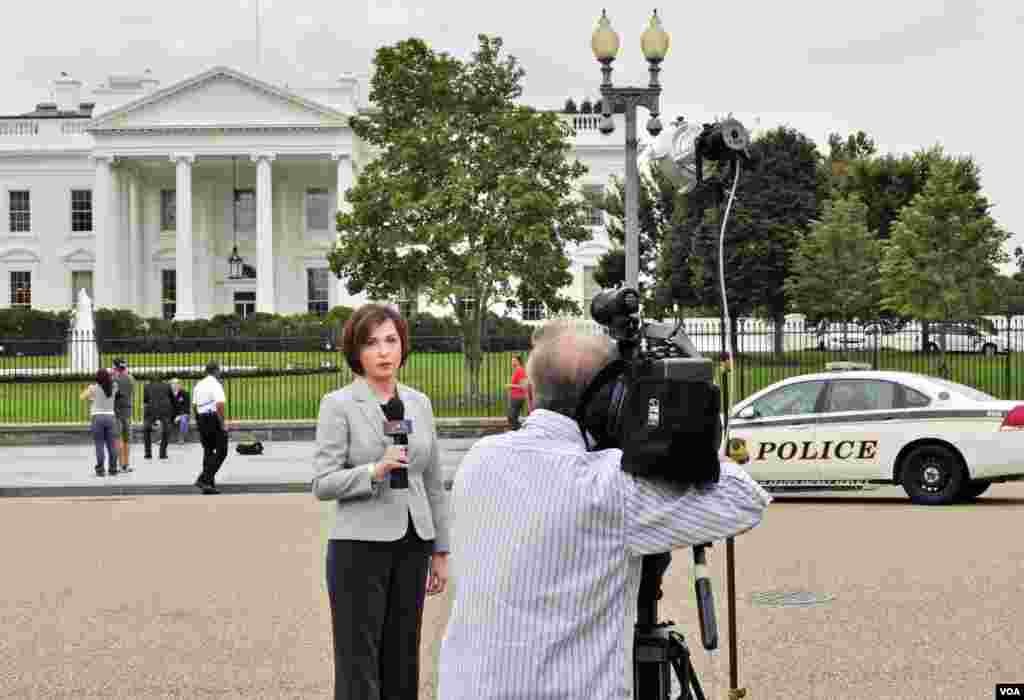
[516,392]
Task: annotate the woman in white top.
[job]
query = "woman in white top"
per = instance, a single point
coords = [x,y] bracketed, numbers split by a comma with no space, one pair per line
[102,395]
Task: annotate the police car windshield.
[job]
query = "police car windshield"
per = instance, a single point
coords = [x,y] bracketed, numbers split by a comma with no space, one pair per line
[967,391]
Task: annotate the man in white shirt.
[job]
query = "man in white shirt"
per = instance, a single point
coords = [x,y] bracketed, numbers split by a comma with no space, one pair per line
[548,541]
[208,401]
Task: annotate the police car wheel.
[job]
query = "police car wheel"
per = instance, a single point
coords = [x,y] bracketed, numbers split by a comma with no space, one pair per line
[932,475]
[972,489]
[988,350]
[931,348]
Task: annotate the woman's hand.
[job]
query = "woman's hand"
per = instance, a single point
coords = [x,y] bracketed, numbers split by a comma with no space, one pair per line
[437,579]
[395,457]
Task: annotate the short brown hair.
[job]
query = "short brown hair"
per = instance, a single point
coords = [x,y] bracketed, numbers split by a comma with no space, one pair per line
[362,323]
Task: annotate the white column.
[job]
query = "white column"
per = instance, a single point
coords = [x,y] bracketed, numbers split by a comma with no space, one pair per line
[185,306]
[134,271]
[104,233]
[346,178]
[264,234]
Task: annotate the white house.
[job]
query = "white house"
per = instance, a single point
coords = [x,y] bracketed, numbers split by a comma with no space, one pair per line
[141,194]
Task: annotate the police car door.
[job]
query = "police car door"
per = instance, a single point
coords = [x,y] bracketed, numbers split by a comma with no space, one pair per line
[857,430]
[768,436]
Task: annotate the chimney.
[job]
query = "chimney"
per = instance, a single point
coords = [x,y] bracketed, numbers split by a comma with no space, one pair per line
[67,93]
[148,82]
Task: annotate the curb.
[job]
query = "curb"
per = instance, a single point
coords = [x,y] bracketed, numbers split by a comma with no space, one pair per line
[156,490]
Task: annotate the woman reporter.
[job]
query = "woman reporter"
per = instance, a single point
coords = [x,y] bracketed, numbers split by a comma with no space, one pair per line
[388,544]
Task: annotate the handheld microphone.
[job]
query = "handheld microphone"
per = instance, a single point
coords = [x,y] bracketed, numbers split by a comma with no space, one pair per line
[705,599]
[398,428]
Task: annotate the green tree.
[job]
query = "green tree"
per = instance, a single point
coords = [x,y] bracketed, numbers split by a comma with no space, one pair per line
[834,269]
[941,261]
[780,191]
[656,212]
[468,191]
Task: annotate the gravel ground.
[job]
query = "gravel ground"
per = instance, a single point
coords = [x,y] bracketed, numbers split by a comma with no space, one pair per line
[223,597]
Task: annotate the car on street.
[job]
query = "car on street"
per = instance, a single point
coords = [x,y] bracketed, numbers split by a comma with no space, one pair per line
[845,429]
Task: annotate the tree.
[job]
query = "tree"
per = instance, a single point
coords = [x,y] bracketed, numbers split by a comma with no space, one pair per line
[469,190]
[780,191]
[941,261]
[834,269]
[657,207]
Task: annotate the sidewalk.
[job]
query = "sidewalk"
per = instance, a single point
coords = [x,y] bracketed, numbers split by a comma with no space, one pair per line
[67,470]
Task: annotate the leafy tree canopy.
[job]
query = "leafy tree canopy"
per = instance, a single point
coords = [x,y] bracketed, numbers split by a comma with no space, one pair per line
[834,271]
[941,261]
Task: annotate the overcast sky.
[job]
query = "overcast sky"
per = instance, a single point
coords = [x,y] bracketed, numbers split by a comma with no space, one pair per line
[911,73]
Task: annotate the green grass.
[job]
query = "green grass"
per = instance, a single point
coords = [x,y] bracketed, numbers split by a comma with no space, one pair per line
[441,376]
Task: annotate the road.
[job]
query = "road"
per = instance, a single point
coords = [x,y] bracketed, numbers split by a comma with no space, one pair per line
[224,597]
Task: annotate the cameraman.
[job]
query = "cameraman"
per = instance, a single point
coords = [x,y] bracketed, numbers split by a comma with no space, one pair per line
[548,541]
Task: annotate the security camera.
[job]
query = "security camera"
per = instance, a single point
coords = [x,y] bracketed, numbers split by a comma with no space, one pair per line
[607,125]
[654,126]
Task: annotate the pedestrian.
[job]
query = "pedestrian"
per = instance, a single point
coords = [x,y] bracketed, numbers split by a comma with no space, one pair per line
[516,391]
[208,399]
[157,405]
[102,395]
[123,405]
[388,542]
[181,408]
[550,539]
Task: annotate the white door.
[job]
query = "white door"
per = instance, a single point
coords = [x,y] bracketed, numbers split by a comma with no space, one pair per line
[777,440]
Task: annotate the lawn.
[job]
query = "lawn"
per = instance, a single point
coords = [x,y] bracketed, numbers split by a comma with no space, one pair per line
[441,376]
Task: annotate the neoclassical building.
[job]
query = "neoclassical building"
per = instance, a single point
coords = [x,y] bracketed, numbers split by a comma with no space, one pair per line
[210,195]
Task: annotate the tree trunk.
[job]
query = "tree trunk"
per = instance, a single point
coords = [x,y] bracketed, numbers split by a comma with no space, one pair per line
[472,332]
[779,318]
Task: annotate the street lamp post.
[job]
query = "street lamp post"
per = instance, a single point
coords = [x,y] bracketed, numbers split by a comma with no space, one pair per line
[654,42]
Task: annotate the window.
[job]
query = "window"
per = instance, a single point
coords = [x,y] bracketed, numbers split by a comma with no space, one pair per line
[533,311]
[81,210]
[860,395]
[80,279]
[168,210]
[245,304]
[593,194]
[466,306]
[21,288]
[318,210]
[20,211]
[248,272]
[790,400]
[316,285]
[245,211]
[913,398]
[169,293]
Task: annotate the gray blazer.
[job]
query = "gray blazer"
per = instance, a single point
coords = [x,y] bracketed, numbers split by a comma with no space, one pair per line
[350,432]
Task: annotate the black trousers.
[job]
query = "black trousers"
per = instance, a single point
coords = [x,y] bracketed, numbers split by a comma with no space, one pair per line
[376,590]
[147,433]
[215,445]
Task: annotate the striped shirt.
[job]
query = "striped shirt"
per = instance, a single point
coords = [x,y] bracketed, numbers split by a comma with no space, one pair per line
[546,554]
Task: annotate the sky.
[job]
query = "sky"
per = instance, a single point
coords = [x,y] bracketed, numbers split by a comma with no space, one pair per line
[911,73]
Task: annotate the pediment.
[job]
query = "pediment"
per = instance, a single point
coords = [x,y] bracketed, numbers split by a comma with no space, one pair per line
[78,255]
[18,255]
[220,98]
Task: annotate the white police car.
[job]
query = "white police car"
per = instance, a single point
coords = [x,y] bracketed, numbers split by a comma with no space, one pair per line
[837,430]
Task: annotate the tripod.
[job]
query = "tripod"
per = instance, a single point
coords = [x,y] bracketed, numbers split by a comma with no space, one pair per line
[658,649]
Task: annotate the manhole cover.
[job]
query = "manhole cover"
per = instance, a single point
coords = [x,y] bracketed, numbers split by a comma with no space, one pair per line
[790,599]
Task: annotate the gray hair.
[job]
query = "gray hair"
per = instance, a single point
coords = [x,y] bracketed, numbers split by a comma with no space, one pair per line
[563,362]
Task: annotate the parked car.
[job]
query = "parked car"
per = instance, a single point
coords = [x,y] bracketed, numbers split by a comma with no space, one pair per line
[942,441]
[840,336]
[964,337]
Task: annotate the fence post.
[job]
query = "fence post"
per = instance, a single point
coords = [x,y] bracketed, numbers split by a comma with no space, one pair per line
[1007,374]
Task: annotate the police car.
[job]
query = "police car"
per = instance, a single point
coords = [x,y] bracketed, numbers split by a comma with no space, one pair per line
[851,428]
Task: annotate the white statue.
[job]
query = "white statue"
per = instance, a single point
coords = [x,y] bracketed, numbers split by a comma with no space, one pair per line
[83,355]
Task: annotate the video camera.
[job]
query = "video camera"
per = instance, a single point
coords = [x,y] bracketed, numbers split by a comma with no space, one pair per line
[657,401]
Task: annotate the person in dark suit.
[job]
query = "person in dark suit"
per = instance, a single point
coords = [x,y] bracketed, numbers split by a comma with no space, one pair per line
[157,405]
[388,543]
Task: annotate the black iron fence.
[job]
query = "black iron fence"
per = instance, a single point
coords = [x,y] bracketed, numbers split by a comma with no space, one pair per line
[285,378]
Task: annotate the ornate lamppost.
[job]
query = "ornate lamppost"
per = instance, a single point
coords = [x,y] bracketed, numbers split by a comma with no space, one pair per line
[654,42]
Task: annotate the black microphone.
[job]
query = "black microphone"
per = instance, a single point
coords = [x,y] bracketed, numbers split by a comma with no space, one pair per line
[398,428]
[705,598]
